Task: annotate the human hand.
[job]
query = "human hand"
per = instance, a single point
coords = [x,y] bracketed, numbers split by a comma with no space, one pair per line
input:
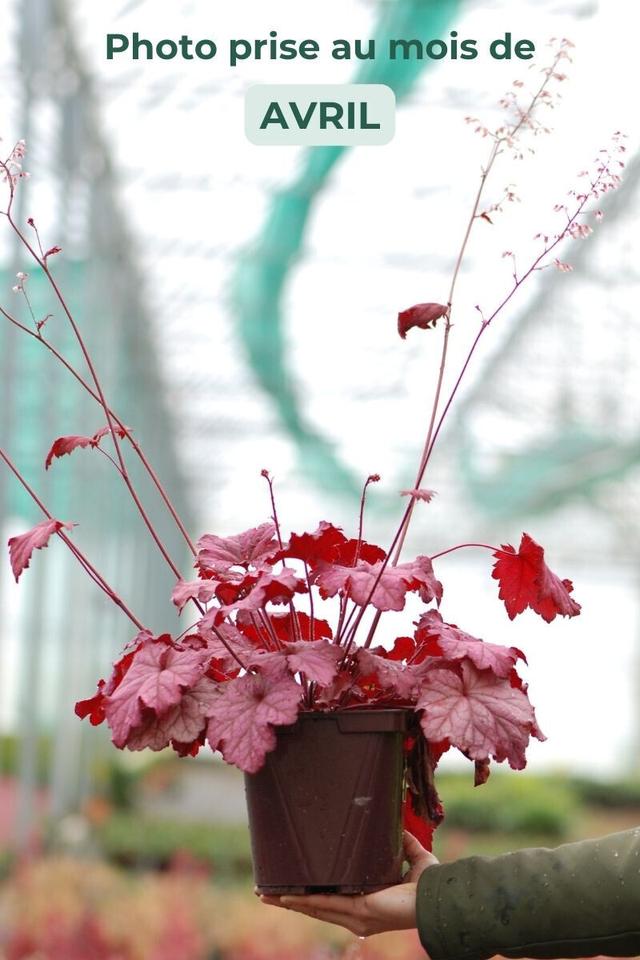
[392,908]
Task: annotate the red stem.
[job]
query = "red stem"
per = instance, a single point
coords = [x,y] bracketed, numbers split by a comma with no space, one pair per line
[460,546]
[136,446]
[42,263]
[88,567]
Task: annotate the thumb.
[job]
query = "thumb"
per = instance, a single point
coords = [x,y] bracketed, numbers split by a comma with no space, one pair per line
[418,857]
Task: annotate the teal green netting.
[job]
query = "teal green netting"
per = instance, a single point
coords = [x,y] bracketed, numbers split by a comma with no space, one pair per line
[263,270]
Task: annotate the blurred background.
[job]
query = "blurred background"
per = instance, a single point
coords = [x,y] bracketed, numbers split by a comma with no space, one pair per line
[241,304]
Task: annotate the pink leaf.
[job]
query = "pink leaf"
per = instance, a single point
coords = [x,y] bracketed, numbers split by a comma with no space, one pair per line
[317,659]
[395,675]
[183,722]
[201,590]
[420,577]
[234,639]
[254,592]
[480,714]
[391,584]
[423,315]
[454,644]
[252,548]
[21,547]
[156,678]
[244,712]
[121,432]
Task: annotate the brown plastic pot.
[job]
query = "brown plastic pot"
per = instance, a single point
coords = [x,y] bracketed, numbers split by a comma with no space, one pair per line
[325,811]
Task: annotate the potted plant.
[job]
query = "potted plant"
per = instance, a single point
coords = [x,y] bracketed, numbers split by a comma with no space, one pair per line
[338,735]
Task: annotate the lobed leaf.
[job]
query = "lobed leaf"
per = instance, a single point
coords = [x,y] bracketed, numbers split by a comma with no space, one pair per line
[21,547]
[244,713]
[526,581]
[479,713]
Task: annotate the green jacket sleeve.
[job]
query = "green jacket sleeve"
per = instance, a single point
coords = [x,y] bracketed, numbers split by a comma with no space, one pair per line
[579,900]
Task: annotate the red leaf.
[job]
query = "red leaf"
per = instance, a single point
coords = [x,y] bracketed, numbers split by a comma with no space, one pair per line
[317,659]
[526,581]
[316,546]
[251,548]
[447,640]
[64,445]
[254,592]
[201,590]
[93,707]
[243,715]
[21,547]
[347,551]
[421,828]
[156,678]
[423,315]
[283,624]
[480,714]
[403,649]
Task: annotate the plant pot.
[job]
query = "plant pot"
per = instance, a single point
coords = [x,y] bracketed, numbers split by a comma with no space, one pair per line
[325,811]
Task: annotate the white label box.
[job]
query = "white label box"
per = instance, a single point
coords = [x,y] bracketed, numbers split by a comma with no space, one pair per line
[326,114]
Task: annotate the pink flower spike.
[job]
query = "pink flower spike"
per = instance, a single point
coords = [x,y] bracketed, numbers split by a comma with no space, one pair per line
[419,494]
[562,267]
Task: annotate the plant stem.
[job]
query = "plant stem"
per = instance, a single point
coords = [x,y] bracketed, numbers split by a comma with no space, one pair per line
[119,423]
[228,647]
[312,621]
[395,550]
[80,557]
[495,150]
[460,546]
[42,263]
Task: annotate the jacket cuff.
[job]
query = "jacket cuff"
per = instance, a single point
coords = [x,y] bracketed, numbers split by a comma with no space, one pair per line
[434,885]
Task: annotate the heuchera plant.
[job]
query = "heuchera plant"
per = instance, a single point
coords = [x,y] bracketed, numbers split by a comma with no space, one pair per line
[288,623]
